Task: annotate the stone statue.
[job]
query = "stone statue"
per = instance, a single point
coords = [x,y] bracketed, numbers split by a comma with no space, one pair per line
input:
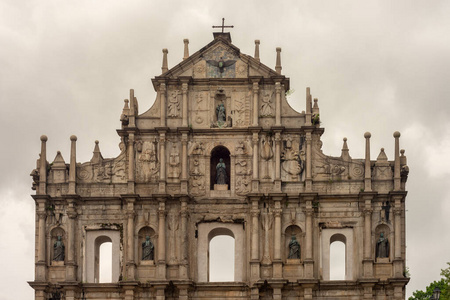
[58,250]
[294,249]
[382,248]
[221,113]
[221,173]
[148,250]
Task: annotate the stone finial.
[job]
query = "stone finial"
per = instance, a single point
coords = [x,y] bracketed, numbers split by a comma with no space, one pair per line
[164,67]
[382,156]
[308,107]
[315,113]
[97,157]
[278,63]
[367,170]
[402,157]
[397,183]
[257,49]
[186,48]
[345,152]
[124,119]
[43,167]
[58,162]
[73,164]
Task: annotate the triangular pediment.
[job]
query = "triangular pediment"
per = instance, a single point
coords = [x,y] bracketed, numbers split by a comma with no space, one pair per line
[219,59]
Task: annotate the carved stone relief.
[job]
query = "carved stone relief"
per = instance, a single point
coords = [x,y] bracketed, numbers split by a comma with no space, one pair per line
[267,154]
[293,160]
[197,177]
[242,105]
[243,178]
[174,163]
[173,105]
[147,163]
[267,106]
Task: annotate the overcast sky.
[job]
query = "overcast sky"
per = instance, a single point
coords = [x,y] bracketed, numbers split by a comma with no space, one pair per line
[378,66]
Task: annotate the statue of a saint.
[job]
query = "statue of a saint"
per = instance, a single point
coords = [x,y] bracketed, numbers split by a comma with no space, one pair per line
[382,248]
[148,250]
[58,249]
[221,113]
[221,173]
[294,249]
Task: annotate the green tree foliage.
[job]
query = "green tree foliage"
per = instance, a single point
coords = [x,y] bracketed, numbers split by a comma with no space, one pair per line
[442,284]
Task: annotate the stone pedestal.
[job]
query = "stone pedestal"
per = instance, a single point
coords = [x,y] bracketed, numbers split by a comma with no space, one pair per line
[221,187]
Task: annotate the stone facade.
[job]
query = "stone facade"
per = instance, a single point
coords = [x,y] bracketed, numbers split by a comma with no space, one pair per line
[220,152]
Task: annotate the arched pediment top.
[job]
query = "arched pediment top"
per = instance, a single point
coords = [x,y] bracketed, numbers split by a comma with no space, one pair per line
[142,225]
[338,237]
[220,231]
[212,145]
[53,230]
[299,225]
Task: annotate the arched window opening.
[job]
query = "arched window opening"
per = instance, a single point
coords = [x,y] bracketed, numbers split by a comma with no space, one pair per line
[338,260]
[220,167]
[105,262]
[221,259]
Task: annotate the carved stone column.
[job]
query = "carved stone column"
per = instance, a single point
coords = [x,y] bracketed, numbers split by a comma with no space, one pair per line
[308,179]
[41,261]
[71,267]
[184,166]
[161,267]
[277,187]
[277,104]
[368,260]
[131,164]
[254,262]
[309,260]
[255,181]
[277,263]
[162,105]
[184,90]
[184,240]
[255,102]
[162,160]
[131,265]
[398,262]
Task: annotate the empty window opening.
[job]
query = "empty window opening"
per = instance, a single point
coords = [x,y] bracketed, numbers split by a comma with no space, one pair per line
[338,257]
[221,258]
[105,262]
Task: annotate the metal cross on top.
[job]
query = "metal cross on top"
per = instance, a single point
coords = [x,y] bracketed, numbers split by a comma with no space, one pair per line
[223,25]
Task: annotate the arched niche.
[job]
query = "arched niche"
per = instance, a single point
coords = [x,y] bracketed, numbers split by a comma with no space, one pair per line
[330,235]
[142,235]
[94,239]
[293,231]
[388,234]
[219,152]
[56,256]
[206,232]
